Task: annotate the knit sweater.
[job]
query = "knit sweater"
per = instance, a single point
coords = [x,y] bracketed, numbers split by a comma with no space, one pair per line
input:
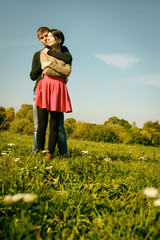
[55,67]
[36,71]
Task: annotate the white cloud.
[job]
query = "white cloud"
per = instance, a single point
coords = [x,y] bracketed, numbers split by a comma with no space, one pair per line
[121,61]
[151,79]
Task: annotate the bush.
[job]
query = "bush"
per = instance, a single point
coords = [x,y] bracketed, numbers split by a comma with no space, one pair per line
[94,132]
[21,126]
[70,125]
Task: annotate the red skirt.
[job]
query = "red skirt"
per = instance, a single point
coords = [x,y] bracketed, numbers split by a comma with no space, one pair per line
[52,94]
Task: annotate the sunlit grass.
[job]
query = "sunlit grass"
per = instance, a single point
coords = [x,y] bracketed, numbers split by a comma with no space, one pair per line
[95,193]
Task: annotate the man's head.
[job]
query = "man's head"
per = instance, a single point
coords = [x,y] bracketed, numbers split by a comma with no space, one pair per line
[42,34]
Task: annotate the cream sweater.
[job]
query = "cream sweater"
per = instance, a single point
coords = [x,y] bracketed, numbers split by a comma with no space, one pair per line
[55,67]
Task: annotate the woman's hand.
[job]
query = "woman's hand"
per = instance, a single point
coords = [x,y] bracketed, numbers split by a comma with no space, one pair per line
[45,64]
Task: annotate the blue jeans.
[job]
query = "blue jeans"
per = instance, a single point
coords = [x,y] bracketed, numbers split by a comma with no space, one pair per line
[62,140]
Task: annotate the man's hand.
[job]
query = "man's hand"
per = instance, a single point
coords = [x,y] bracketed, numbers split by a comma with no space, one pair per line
[45,50]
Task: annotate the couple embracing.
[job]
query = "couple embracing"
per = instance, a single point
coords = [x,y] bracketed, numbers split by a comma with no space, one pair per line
[51,68]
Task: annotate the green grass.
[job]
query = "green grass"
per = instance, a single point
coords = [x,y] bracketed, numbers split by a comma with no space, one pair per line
[92,195]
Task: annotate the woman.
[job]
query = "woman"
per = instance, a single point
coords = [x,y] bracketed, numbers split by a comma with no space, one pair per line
[51,93]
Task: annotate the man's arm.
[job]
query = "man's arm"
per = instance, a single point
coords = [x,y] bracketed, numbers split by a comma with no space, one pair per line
[64,55]
[36,67]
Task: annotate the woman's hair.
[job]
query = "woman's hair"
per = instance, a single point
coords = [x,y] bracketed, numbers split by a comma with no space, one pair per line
[58,35]
[41,30]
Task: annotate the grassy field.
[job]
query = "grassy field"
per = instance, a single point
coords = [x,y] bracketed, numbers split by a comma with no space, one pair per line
[95,193]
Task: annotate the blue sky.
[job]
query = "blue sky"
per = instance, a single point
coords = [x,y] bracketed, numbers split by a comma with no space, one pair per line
[115,49]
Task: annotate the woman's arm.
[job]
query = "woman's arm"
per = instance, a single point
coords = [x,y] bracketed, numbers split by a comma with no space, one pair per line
[56,65]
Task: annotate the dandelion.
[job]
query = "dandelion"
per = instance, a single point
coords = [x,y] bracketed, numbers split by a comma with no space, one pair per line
[10,144]
[151,192]
[107,159]
[50,167]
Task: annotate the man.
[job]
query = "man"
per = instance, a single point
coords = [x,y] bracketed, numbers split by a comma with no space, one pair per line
[36,74]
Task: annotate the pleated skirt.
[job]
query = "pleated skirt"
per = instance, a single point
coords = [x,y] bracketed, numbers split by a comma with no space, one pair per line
[52,94]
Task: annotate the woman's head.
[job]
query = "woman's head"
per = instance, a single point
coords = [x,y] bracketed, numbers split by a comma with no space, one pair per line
[55,38]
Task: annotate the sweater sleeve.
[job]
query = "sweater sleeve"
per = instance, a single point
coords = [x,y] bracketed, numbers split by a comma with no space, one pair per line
[54,66]
[36,70]
[64,55]
[57,65]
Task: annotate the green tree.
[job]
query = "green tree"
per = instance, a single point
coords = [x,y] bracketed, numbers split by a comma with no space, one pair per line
[152,125]
[124,123]
[10,114]
[113,120]
[2,118]
[2,114]
[22,113]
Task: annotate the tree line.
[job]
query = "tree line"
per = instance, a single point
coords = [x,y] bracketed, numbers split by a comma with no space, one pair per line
[114,130]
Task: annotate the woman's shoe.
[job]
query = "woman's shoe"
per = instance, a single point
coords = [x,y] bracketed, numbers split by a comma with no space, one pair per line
[49,156]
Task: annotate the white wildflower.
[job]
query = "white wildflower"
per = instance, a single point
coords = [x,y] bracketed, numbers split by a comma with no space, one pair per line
[50,167]
[8,199]
[156,203]
[10,144]
[17,197]
[44,151]
[3,153]
[17,160]
[35,167]
[84,152]
[22,169]
[145,158]
[29,197]
[107,159]
[26,197]
[151,192]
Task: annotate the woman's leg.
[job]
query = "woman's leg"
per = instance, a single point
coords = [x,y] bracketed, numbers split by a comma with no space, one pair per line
[54,124]
[42,126]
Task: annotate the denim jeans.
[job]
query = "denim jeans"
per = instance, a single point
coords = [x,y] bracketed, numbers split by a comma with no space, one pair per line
[62,140]
[35,119]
